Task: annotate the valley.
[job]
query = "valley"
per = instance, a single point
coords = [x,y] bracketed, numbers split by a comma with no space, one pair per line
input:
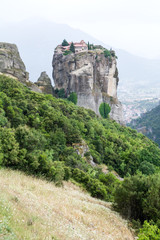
[138,101]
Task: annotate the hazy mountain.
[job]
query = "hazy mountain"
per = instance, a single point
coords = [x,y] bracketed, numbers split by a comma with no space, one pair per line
[37,38]
[148,124]
[137,71]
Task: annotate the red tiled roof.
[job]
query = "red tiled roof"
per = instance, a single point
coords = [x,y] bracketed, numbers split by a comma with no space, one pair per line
[80,45]
[76,44]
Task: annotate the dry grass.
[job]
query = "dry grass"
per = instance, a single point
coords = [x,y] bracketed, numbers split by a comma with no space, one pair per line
[40,211]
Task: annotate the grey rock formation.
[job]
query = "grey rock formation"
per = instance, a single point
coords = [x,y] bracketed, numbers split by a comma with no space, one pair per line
[92,76]
[44,83]
[11,62]
[12,65]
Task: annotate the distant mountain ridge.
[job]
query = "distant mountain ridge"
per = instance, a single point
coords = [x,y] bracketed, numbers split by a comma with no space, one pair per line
[148,124]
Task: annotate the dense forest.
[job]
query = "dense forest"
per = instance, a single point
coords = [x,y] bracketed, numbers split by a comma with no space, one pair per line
[40,134]
[150,122]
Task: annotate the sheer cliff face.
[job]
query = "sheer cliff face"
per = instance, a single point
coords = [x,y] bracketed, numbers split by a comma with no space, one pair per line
[92,76]
[12,65]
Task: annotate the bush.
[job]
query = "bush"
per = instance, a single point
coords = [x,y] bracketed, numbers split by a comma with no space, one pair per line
[129,197]
[149,232]
[107,53]
[111,183]
[67,52]
[138,197]
[59,173]
[61,93]
[9,147]
[73,97]
[147,168]
[94,186]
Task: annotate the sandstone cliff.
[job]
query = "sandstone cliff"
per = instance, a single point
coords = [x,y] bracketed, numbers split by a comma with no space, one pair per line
[92,76]
[12,65]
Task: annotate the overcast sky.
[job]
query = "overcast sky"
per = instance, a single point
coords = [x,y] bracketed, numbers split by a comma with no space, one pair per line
[133,25]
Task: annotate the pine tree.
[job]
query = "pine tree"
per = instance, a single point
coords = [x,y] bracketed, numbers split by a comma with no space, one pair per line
[65,43]
[72,48]
[104,110]
[89,46]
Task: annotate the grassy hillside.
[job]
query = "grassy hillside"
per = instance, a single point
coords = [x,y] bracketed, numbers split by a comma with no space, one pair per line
[149,123]
[34,209]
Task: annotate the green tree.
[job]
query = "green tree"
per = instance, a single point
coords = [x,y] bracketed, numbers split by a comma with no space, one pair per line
[130,195]
[107,53]
[89,46]
[104,110]
[9,147]
[65,43]
[59,173]
[61,93]
[73,97]
[72,48]
[138,197]
[147,168]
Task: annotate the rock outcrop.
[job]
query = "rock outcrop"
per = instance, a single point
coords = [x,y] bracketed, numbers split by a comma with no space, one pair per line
[44,83]
[92,76]
[11,62]
[12,65]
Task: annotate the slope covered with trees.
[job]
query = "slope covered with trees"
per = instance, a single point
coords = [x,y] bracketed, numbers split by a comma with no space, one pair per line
[39,134]
[149,124]
[35,124]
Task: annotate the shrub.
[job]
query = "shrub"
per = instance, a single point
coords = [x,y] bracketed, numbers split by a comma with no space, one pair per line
[129,197]
[94,186]
[147,168]
[73,97]
[67,173]
[67,52]
[110,181]
[9,147]
[59,173]
[138,197]
[107,53]
[61,93]
[149,232]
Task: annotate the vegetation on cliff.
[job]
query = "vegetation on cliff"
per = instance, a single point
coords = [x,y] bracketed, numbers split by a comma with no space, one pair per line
[52,126]
[65,43]
[104,109]
[72,48]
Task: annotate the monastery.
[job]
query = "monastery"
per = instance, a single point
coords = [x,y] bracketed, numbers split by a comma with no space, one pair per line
[81,46]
